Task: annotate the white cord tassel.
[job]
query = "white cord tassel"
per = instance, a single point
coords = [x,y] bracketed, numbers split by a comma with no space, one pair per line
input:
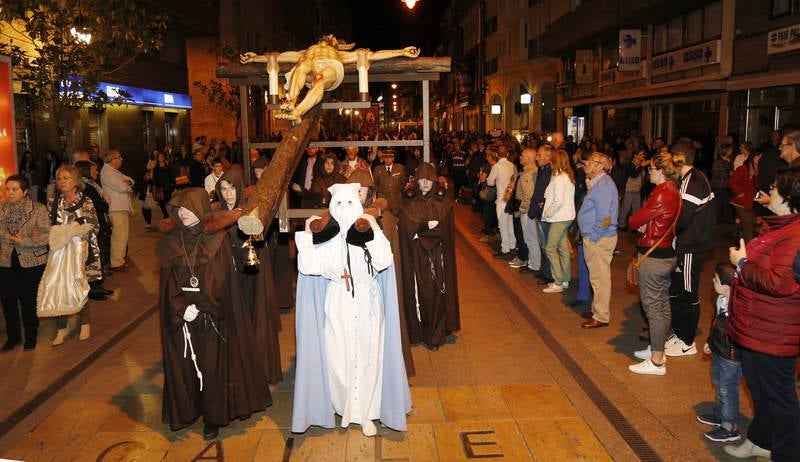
[187,340]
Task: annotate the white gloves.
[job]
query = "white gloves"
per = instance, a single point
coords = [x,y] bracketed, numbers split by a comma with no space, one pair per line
[311,219]
[296,187]
[190,313]
[432,224]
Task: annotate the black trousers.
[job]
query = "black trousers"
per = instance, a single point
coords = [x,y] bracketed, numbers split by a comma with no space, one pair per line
[684,295]
[18,291]
[776,424]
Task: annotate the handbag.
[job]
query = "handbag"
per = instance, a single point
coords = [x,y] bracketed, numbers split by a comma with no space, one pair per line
[148,202]
[632,272]
[64,288]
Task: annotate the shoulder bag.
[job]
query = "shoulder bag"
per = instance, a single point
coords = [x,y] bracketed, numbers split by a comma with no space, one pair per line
[632,272]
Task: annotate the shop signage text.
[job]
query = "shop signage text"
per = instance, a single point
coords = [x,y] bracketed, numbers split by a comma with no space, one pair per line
[784,39]
[630,50]
[686,58]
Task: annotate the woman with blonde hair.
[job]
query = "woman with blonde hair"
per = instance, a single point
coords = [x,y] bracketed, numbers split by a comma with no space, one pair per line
[70,205]
[559,211]
[656,222]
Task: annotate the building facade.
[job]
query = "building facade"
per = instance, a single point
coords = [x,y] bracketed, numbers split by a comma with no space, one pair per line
[501,81]
[701,69]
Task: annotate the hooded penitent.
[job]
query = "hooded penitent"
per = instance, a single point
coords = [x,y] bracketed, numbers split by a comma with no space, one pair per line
[324,180]
[258,285]
[349,357]
[225,381]
[430,287]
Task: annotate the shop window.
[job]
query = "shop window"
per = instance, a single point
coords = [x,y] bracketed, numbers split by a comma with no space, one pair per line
[675,33]
[712,21]
[610,55]
[694,27]
[659,38]
[784,7]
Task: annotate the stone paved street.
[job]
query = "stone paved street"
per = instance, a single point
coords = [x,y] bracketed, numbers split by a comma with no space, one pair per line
[499,391]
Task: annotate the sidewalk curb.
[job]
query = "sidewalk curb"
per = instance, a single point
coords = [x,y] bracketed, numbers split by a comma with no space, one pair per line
[27,408]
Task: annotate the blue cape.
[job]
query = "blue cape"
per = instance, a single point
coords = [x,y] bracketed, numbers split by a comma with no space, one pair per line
[312,399]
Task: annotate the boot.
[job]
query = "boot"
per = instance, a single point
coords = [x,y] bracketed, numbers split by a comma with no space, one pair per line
[746,450]
[60,336]
[85,332]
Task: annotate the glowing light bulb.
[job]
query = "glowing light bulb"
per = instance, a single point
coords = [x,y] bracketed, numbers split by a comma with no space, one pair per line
[410,3]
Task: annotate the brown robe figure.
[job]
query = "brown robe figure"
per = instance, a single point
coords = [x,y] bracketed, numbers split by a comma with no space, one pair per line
[211,366]
[258,285]
[427,243]
[326,176]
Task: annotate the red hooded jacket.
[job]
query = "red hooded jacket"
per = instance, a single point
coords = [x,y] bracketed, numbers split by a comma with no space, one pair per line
[765,297]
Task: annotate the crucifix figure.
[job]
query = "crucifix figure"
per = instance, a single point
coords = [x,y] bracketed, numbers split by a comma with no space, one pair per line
[346,276]
[320,68]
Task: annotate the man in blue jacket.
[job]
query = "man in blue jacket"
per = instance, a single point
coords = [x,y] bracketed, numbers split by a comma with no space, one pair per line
[597,220]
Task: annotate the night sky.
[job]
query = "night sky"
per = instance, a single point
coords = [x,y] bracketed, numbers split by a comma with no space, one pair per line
[385,24]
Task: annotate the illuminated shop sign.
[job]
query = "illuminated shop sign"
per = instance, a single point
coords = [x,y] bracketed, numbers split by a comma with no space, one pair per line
[8,146]
[686,58]
[145,97]
[785,39]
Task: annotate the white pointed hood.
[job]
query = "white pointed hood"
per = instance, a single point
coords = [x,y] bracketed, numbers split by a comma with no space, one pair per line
[345,207]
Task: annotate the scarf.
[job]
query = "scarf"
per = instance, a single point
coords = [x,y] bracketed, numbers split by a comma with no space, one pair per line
[17,214]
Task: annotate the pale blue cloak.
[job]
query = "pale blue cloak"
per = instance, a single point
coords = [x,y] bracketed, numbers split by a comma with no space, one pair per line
[312,400]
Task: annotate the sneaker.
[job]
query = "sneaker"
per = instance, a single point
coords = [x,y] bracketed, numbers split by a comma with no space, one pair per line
[746,450]
[679,348]
[553,288]
[643,354]
[671,340]
[517,263]
[565,285]
[60,336]
[86,332]
[647,367]
[721,435]
[709,419]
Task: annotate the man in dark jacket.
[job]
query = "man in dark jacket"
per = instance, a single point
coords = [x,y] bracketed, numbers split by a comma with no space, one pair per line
[694,238]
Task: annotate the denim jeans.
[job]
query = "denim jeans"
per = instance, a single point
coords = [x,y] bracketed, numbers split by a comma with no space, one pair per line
[726,374]
[544,230]
[530,232]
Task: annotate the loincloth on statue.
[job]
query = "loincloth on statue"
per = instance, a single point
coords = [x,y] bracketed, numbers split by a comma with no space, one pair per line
[319,65]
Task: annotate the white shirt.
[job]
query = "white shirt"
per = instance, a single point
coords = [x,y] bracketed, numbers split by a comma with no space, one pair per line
[500,176]
[211,182]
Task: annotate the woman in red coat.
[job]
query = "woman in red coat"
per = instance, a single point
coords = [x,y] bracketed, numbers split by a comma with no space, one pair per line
[765,323]
[743,188]
[656,221]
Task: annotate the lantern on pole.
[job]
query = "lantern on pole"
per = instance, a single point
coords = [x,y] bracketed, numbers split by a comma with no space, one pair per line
[410,3]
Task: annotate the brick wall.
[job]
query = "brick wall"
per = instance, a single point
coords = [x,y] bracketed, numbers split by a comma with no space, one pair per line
[206,118]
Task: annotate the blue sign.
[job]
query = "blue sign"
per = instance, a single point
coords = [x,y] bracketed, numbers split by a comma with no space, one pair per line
[146,97]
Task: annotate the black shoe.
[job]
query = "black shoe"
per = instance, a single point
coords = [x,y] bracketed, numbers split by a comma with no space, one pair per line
[503,255]
[433,347]
[10,345]
[210,432]
[29,345]
[104,291]
[97,296]
[575,303]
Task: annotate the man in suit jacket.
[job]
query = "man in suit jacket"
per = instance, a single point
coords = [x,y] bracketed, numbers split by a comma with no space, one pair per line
[390,178]
[302,179]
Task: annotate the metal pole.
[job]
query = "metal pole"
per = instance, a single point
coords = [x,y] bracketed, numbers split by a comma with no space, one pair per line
[245,127]
[426,121]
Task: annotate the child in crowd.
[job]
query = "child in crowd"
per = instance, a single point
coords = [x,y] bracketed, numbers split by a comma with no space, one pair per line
[726,368]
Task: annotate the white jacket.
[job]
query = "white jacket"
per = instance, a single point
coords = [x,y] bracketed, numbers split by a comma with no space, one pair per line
[559,199]
[119,191]
[500,176]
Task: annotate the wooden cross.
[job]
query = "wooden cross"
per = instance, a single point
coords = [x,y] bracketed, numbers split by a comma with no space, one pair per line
[346,278]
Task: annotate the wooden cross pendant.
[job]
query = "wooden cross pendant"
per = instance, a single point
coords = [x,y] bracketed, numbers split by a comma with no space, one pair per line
[346,278]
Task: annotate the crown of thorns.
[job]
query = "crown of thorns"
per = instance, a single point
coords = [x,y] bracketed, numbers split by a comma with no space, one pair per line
[335,43]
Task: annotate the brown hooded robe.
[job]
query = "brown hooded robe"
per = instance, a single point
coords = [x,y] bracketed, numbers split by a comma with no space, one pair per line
[429,264]
[258,286]
[233,380]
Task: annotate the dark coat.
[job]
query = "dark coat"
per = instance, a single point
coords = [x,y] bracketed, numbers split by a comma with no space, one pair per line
[765,297]
[390,186]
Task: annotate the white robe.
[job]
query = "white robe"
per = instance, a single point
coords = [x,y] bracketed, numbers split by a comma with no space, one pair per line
[354,326]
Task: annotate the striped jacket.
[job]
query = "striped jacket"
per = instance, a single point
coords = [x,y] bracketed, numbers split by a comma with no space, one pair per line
[697,223]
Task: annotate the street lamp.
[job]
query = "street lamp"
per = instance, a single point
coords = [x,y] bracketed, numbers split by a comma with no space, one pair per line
[79,31]
[394,86]
[410,3]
